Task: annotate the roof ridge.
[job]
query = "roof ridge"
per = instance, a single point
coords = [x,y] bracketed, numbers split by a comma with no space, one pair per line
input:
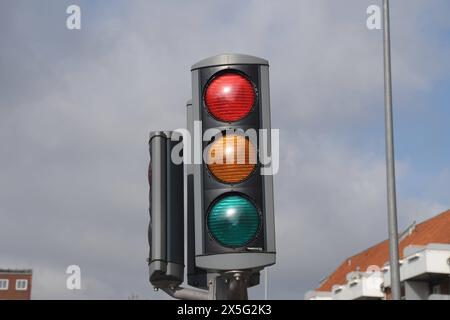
[368,249]
[436,217]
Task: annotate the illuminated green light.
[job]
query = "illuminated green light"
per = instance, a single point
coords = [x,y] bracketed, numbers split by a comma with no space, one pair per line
[233,221]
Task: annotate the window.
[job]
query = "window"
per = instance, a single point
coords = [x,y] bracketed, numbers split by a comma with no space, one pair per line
[436,289]
[21,284]
[4,283]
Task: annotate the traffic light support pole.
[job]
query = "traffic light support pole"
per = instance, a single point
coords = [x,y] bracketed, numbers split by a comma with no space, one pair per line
[236,283]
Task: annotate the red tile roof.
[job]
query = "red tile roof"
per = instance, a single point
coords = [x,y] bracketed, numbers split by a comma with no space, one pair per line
[434,230]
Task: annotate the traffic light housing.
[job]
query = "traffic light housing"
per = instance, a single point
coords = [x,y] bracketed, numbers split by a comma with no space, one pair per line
[166,198]
[233,200]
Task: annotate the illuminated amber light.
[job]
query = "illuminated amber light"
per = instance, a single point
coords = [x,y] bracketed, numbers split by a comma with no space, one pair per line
[232,159]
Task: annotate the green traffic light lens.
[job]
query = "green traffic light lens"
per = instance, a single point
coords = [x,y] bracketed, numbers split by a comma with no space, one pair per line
[233,221]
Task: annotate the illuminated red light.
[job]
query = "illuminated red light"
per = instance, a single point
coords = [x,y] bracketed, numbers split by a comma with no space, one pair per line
[230,97]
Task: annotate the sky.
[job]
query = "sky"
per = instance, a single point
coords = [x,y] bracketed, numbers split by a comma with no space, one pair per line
[76,107]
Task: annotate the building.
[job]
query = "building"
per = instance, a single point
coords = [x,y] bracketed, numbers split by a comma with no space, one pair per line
[15,284]
[424,267]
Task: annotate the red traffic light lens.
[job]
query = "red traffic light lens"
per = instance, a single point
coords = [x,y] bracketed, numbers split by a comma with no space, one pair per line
[230,97]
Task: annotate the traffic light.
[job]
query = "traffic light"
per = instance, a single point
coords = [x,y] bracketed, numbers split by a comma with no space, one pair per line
[166,197]
[233,201]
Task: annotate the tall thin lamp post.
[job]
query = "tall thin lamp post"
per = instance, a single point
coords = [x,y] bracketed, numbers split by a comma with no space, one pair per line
[390,160]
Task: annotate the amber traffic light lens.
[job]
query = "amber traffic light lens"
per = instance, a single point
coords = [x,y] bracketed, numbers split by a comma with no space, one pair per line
[232,158]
